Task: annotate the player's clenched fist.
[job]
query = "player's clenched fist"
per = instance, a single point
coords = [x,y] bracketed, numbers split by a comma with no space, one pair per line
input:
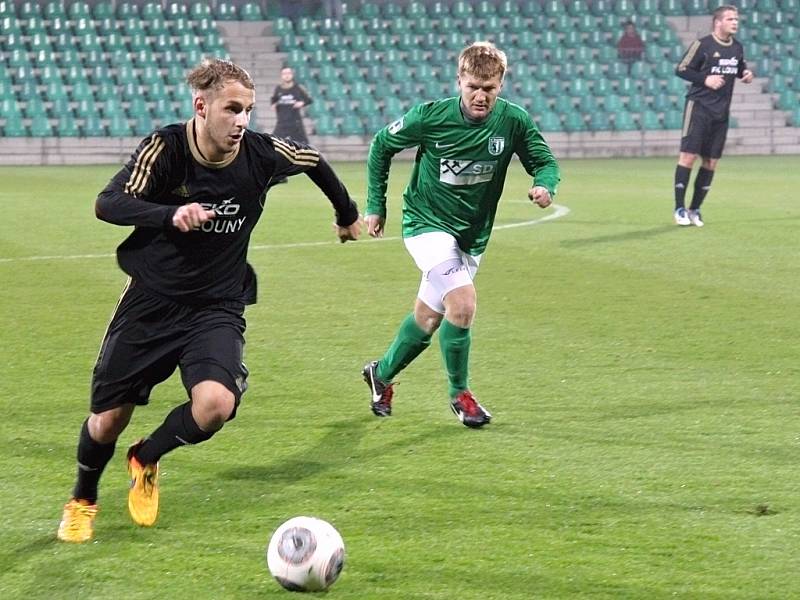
[539,195]
[191,216]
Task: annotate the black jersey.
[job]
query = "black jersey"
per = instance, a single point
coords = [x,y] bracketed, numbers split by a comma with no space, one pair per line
[289,118]
[208,264]
[711,56]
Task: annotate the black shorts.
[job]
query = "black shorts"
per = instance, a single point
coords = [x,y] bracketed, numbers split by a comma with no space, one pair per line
[703,133]
[149,337]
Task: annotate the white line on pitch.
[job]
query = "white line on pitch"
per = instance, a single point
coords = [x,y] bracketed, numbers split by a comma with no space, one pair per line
[560,211]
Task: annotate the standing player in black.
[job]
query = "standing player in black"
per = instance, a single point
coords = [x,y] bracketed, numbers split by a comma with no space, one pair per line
[288,98]
[194,192]
[711,64]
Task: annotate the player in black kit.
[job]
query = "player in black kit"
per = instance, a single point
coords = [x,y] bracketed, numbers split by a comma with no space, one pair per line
[711,64]
[194,192]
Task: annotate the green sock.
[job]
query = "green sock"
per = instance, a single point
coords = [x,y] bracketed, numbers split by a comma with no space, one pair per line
[409,343]
[455,342]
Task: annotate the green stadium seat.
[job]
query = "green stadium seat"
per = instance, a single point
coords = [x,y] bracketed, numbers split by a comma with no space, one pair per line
[7,9]
[29,9]
[624,121]
[548,121]
[14,128]
[795,118]
[93,126]
[462,10]
[67,126]
[325,125]
[352,125]
[55,9]
[176,10]
[600,121]
[369,10]
[636,104]
[126,10]
[788,100]
[574,122]
[649,121]
[200,10]
[250,11]
[226,11]
[41,128]
[79,10]
[673,119]
[672,8]
[118,126]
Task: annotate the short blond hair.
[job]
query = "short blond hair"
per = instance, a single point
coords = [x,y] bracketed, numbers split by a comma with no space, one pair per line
[214,73]
[482,60]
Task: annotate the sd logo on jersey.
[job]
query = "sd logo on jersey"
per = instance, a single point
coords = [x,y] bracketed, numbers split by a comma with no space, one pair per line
[496,145]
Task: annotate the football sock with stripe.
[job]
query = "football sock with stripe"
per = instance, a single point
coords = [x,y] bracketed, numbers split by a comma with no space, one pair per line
[455,342]
[702,183]
[178,429]
[92,460]
[409,343]
[681,183]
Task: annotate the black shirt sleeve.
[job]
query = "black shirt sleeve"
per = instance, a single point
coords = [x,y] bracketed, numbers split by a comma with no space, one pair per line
[327,181]
[122,201]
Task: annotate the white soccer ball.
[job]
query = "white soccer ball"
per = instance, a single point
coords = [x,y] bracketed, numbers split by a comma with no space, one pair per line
[305,554]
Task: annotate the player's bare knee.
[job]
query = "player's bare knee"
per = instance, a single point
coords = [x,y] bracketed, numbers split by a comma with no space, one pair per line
[106,427]
[213,405]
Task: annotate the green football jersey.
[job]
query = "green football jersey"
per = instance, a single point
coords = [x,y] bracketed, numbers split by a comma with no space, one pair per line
[460,167]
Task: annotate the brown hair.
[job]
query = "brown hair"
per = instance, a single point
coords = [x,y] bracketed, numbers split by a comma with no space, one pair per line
[214,73]
[721,10]
[482,60]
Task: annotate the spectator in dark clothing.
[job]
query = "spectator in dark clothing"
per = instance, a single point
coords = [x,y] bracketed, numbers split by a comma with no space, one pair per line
[630,46]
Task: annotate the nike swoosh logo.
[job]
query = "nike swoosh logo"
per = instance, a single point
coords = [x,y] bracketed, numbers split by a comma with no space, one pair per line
[440,145]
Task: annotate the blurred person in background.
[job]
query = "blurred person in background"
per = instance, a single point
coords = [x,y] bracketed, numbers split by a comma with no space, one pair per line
[712,64]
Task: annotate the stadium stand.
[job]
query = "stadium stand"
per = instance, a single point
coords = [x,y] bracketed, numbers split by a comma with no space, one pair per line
[111,69]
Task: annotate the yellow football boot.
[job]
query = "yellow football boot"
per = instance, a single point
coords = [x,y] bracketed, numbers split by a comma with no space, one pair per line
[143,493]
[77,522]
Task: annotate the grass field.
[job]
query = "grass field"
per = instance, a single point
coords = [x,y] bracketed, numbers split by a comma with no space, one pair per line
[643,379]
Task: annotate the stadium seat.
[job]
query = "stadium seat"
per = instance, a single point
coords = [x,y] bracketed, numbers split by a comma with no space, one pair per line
[126,10]
[66,126]
[574,122]
[118,126]
[624,121]
[200,10]
[250,11]
[673,120]
[93,126]
[649,120]
[600,121]
[226,11]
[176,10]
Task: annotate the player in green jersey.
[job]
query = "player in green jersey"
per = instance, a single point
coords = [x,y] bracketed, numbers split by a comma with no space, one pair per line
[465,145]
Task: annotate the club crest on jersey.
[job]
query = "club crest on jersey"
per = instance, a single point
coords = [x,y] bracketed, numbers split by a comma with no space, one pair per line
[496,145]
[396,126]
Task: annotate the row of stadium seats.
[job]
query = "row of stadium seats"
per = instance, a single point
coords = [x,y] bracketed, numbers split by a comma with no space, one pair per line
[360,70]
[147,11]
[255,11]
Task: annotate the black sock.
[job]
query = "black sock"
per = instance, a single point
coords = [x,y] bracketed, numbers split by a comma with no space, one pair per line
[92,460]
[681,183]
[178,429]
[702,183]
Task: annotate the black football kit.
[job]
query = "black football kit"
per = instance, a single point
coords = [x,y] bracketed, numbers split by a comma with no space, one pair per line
[184,302]
[706,112]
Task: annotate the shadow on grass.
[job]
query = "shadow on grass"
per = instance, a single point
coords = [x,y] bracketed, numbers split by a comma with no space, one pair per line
[641,234]
[338,448]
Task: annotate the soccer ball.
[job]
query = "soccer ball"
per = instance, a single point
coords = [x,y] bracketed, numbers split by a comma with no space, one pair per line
[305,554]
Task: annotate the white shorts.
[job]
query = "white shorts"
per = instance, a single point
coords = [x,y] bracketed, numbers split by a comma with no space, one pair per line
[444,266]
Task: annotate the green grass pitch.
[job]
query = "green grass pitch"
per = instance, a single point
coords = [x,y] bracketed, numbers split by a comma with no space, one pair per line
[643,379]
